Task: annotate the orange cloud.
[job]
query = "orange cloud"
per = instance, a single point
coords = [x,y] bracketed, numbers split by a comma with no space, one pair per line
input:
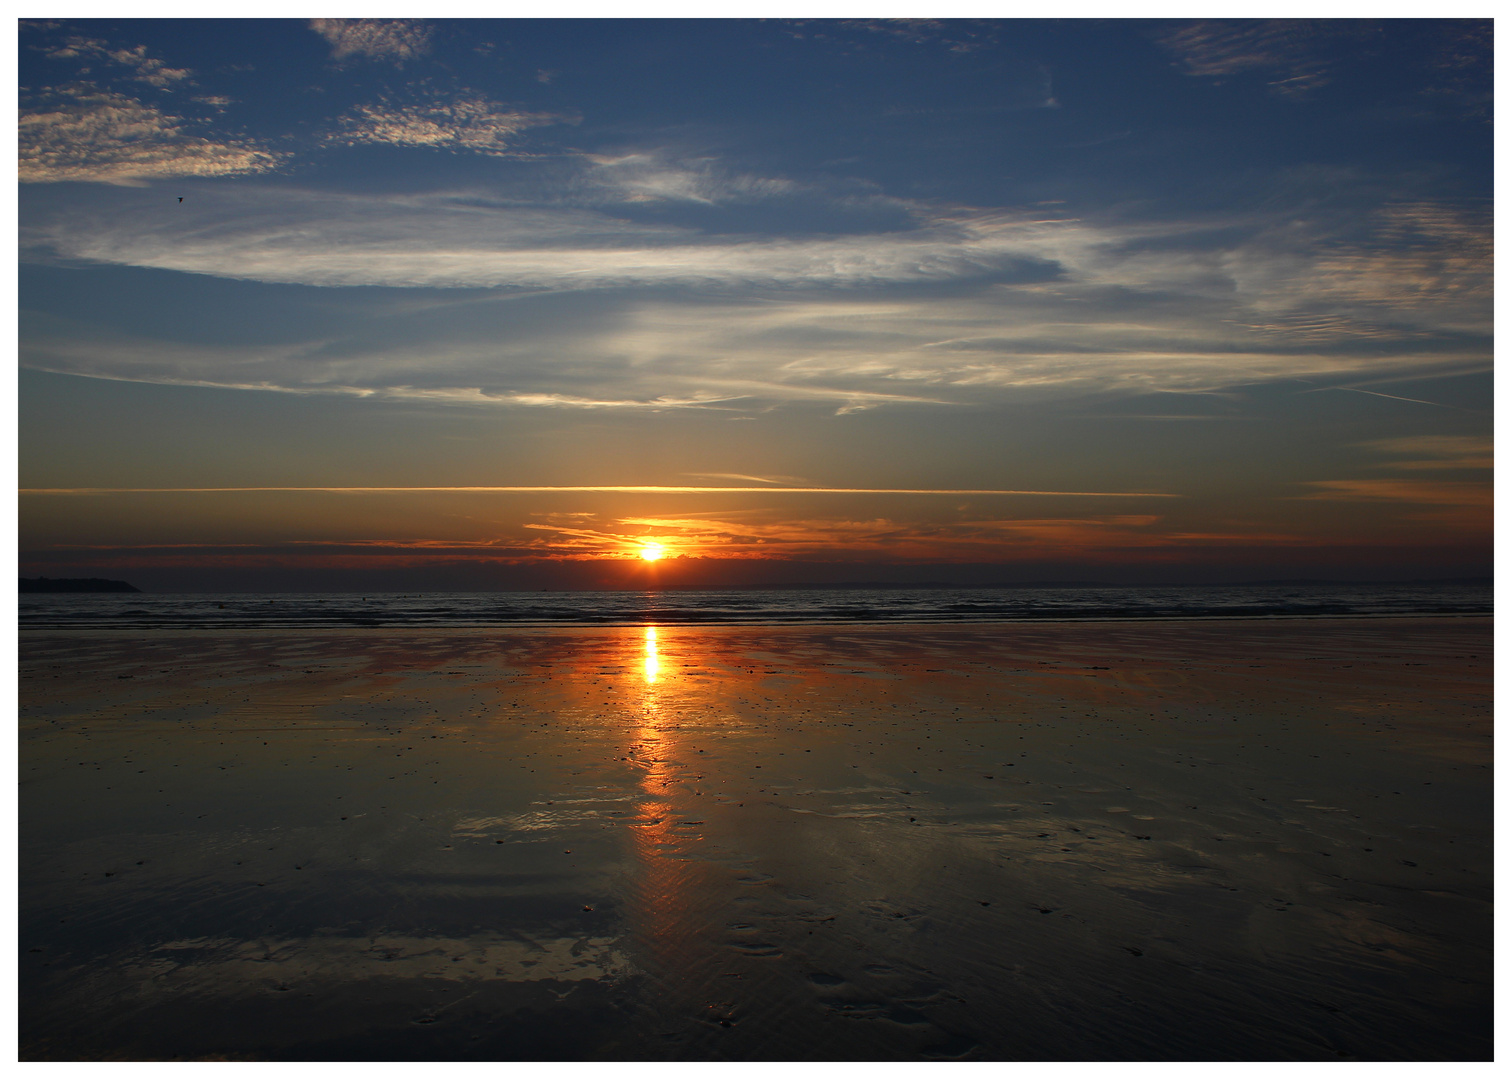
[1429,493]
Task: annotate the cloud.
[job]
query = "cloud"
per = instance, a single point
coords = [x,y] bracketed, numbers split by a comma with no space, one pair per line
[1294,53]
[1281,278]
[395,40]
[1463,64]
[650,177]
[1425,492]
[631,489]
[82,132]
[568,401]
[147,69]
[1437,505]
[894,539]
[467,123]
[458,241]
[595,310]
[317,369]
[1413,252]
[1435,451]
[743,476]
[472,395]
[958,35]
[1323,328]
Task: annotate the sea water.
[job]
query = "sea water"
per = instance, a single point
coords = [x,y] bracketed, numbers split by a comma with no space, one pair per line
[750,606]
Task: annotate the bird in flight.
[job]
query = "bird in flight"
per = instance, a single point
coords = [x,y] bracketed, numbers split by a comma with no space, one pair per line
[181,198]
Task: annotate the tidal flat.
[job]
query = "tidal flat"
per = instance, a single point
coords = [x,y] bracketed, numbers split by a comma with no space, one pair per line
[1178,840]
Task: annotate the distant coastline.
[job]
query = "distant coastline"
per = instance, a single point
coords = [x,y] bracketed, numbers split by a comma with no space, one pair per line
[75,585]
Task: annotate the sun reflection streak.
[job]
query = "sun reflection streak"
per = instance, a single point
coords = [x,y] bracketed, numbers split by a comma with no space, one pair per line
[653,662]
[678,889]
[667,879]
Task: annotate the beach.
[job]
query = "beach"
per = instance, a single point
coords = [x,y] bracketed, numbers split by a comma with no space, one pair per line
[1236,839]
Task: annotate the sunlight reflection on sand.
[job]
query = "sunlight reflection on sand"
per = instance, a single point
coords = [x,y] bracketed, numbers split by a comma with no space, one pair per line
[760,842]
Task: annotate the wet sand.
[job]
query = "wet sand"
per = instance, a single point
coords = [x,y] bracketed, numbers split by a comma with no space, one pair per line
[1252,840]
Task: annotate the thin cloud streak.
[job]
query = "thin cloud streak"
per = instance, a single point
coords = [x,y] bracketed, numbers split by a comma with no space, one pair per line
[743,476]
[626,489]
[1434,493]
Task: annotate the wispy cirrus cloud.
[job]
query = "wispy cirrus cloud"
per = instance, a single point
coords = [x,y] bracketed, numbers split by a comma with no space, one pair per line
[474,396]
[1369,275]
[1297,57]
[1414,251]
[312,370]
[1463,66]
[776,480]
[83,132]
[1466,494]
[1418,452]
[957,35]
[1437,504]
[958,306]
[469,241]
[394,40]
[1295,54]
[654,177]
[843,353]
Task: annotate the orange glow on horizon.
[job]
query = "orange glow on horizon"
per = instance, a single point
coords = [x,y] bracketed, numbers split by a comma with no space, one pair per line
[652,552]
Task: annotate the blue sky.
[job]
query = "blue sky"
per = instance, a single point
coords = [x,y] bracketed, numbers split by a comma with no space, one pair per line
[1235,273]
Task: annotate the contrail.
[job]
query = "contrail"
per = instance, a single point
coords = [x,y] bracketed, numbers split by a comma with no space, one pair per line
[627,489]
[1393,397]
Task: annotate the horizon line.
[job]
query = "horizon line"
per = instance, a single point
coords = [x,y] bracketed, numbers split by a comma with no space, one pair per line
[632,489]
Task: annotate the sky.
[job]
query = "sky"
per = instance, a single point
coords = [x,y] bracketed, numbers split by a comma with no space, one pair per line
[478,304]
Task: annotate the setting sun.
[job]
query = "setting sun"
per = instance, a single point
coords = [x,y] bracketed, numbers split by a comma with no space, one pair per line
[652,552]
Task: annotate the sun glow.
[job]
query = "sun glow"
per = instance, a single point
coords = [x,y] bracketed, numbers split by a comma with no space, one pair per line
[652,552]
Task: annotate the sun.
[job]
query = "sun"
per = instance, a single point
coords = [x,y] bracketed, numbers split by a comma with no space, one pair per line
[652,552]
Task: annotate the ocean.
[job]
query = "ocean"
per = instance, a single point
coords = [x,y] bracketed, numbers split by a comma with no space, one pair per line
[749,606]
